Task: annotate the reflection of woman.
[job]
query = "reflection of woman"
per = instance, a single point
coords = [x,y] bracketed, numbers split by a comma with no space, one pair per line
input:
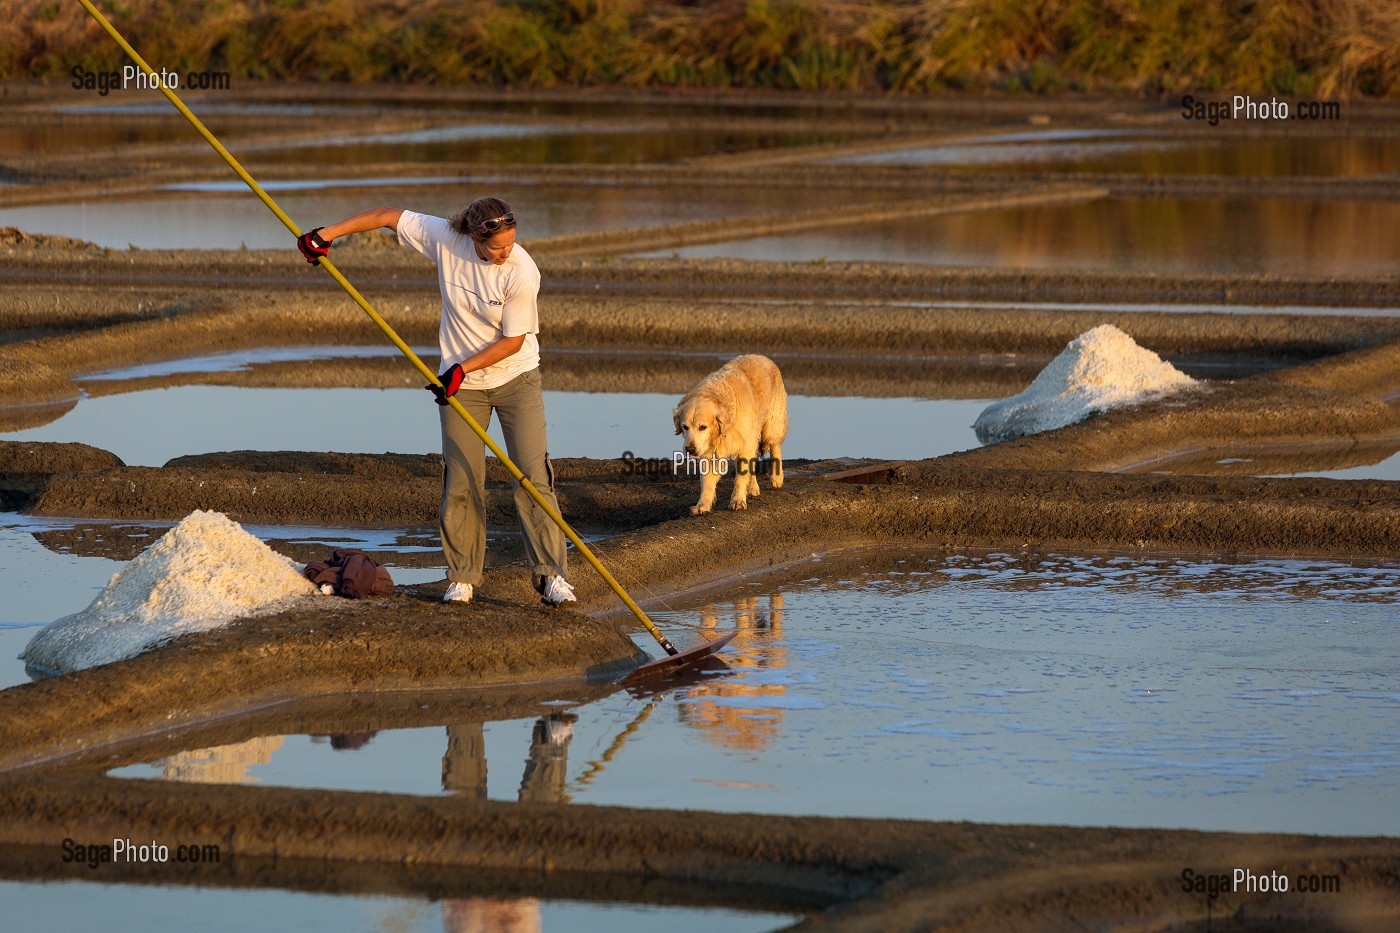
[545,781]
[492,915]
[546,769]
[490,359]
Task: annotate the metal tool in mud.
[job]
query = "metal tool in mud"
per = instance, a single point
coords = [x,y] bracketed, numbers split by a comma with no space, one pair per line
[674,658]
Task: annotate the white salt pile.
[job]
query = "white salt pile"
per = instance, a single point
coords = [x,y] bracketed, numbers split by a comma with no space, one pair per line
[202,574]
[1100,369]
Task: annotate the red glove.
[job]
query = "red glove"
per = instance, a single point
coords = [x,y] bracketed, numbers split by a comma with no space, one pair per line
[451,382]
[313,247]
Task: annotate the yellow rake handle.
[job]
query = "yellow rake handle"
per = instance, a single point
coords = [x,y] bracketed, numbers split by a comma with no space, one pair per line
[388,331]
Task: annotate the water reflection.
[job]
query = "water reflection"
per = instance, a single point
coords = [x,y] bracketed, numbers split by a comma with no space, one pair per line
[545,779]
[227,764]
[399,549]
[34,137]
[1040,688]
[1177,235]
[1035,572]
[1155,153]
[173,222]
[491,915]
[22,417]
[1340,461]
[745,712]
[620,370]
[525,144]
[201,419]
[242,898]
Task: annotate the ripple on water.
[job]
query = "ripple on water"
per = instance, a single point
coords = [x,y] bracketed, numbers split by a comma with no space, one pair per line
[1244,709]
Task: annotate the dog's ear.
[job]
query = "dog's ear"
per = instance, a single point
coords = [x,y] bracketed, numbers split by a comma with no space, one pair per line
[719,422]
[676,417]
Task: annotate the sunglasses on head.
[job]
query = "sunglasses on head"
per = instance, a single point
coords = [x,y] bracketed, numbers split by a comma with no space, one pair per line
[505,220]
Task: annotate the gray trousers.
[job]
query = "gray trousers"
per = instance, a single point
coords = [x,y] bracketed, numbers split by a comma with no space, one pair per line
[546,777]
[462,516]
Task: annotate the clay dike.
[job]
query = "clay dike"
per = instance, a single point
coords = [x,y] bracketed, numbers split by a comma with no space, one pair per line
[1309,389]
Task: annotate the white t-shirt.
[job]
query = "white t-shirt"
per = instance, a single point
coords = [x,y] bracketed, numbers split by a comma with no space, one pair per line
[481,301]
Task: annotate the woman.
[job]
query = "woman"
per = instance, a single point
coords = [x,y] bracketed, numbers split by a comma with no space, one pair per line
[490,359]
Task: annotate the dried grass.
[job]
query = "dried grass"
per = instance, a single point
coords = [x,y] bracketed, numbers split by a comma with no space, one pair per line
[1334,48]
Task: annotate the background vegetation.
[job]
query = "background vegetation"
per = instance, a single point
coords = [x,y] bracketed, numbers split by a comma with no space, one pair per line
[1326,48]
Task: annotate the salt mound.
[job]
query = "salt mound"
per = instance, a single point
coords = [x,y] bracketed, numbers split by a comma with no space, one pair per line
[202,574]
[1100,369]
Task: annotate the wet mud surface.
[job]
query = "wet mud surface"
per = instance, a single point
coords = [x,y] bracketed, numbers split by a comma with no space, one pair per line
[889,874]
[940,502]
[328,646]
[1283,384]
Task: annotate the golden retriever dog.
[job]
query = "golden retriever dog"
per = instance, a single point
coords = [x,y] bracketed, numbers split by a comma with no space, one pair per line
[734,414]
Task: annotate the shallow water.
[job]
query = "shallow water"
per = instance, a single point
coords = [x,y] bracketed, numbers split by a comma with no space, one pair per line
[153,222]
[1389,468]
[90,905]
[1151,308]
[245,360]
[37,139]
[193,419]
[536,144]
[1047,689]
[328,103]
[1163,152]
[151,427]
[1379,463]
[1167,235]
[54,567]
[39,586]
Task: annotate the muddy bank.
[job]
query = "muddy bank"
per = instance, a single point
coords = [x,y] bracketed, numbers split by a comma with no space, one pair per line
[122,541]
[938,504]
[587,370]
[372,262]
[1270,459]
[1338,401]
[694,233]
[1311,407]
[639,326]
[35,383]
[344,490]
[647,343]
[100,309]
[25,468]
[884,874]
[408,641]
[108,328]
[328,499]
[147,169]
[891,329]
[33,414]
[352,714]
[874,281]
[434,882]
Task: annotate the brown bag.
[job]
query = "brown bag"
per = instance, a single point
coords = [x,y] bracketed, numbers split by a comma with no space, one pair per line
[352,574]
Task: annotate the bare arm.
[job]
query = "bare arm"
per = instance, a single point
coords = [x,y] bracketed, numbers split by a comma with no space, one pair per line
[493,353]
[365,220]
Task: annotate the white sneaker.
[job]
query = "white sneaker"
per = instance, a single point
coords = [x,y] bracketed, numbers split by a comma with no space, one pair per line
[458,593]
[557,591]
[558,731]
